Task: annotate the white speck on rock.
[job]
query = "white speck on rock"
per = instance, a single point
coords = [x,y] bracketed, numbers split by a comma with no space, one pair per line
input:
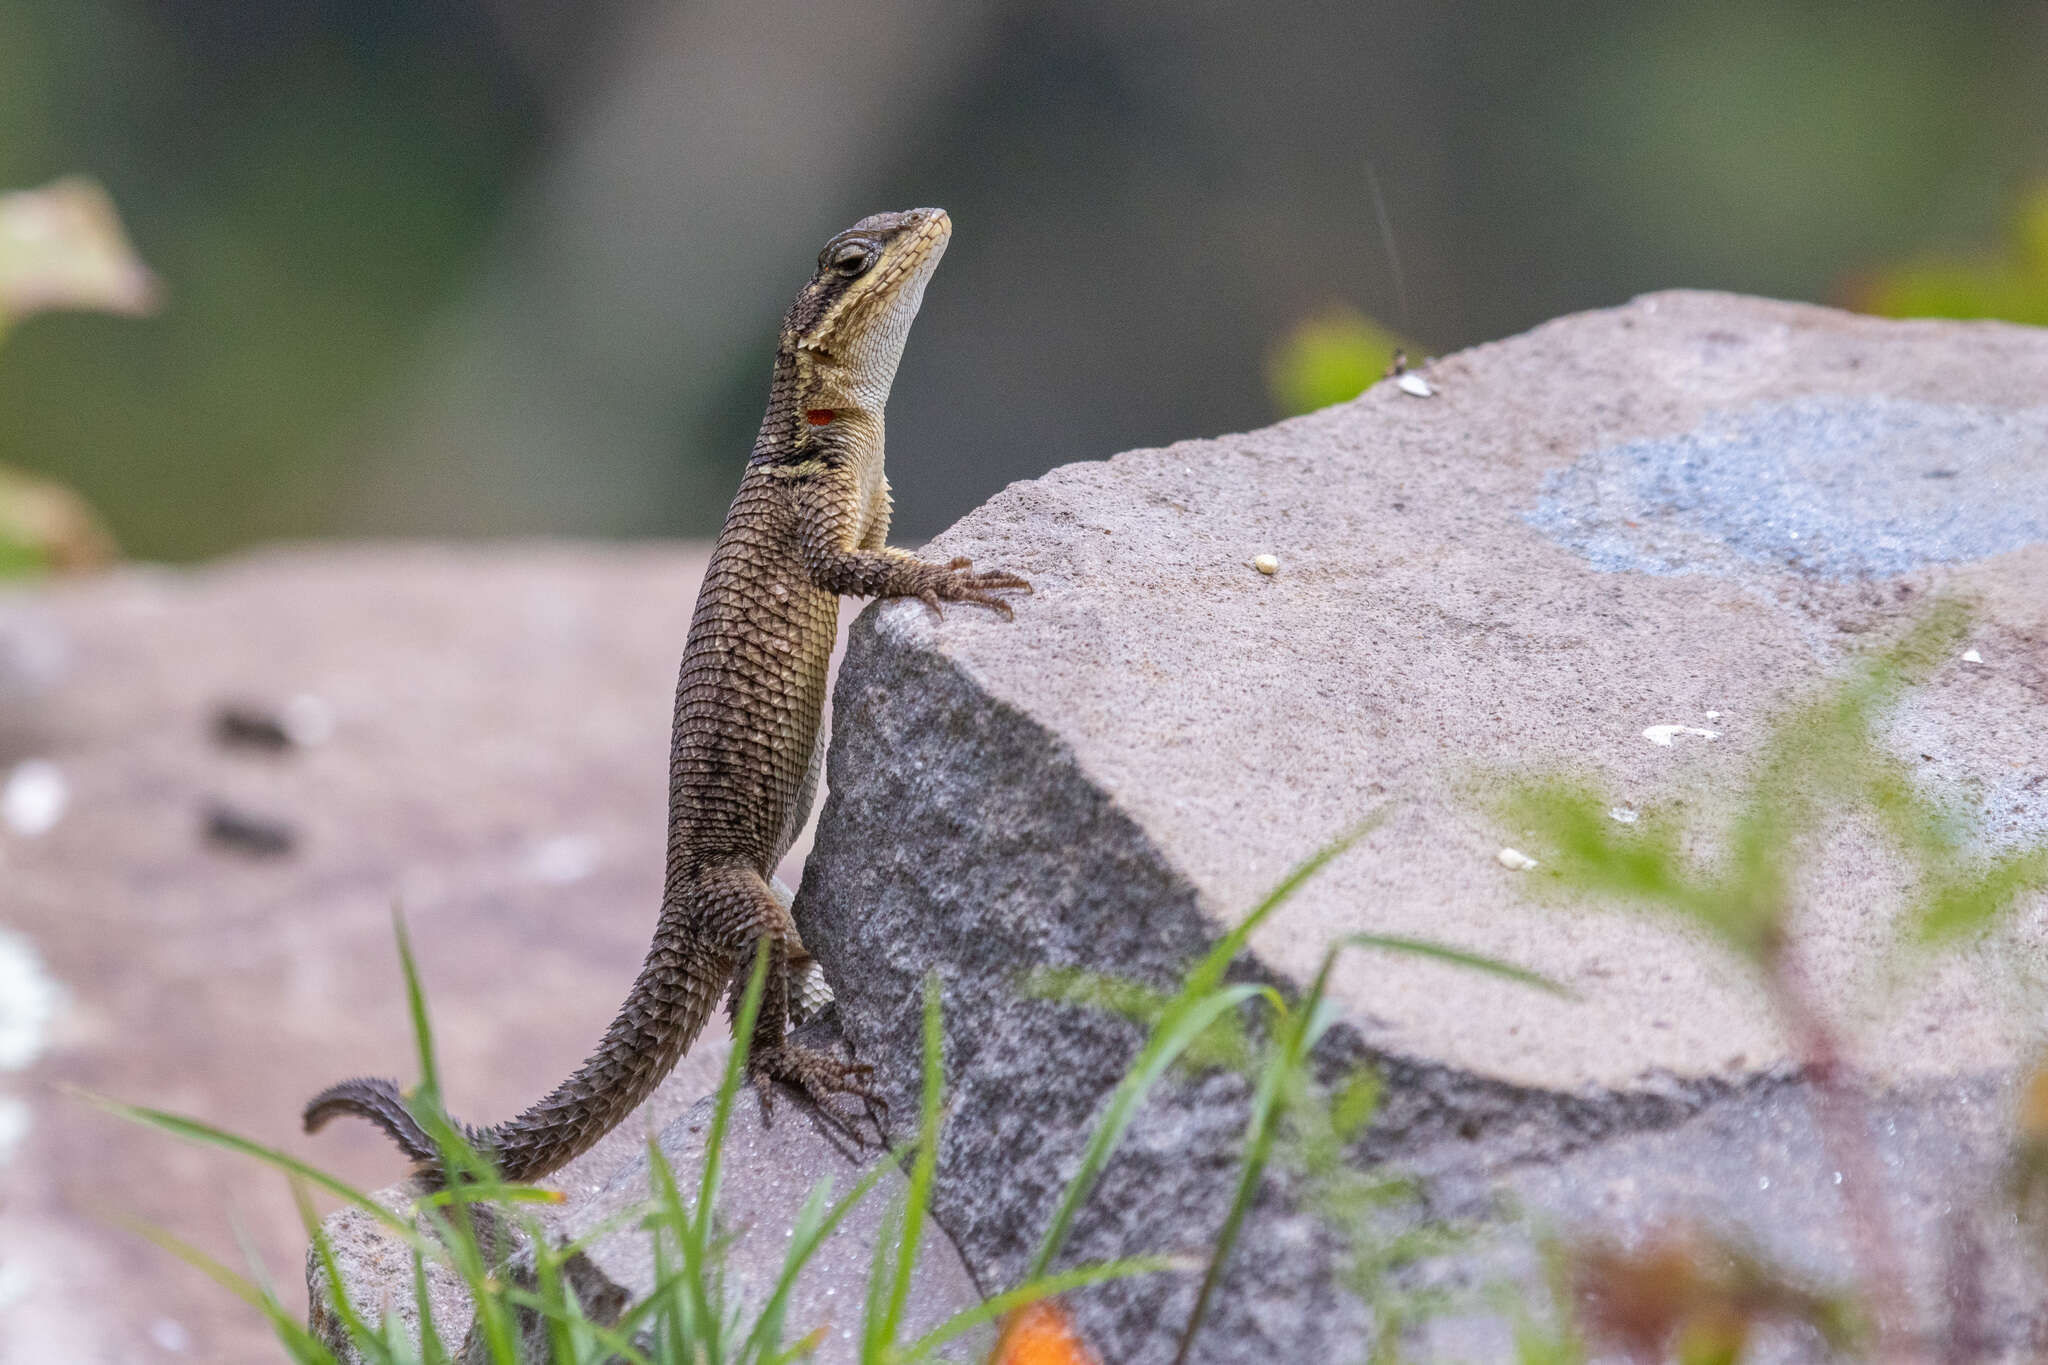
[34,798]
[170,1334]
[563,860]
[1415,385]
[1514,860]
[1266,564]
[1971,656]
[28,1002]
[1713,715]
[1622,815]
[1664,734]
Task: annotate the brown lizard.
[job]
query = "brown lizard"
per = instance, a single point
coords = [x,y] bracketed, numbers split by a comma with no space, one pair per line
[808,525]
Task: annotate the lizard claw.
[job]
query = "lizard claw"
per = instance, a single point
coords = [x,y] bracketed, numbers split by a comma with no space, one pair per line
[819,1075]
[962,584]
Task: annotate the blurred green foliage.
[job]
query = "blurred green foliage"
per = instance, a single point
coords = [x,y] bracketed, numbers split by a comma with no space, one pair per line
[2009,283]
[1821,756]
[1330,358]
[61,248]
[307,182]
[1306,1123]
[338,196]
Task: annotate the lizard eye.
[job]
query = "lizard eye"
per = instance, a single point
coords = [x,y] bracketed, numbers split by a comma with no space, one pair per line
[848,259]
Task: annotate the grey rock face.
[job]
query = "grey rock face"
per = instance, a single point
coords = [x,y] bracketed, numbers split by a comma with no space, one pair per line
[1675,514]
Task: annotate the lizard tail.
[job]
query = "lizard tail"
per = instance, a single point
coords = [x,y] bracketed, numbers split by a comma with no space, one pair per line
[377,1100]
[679,984]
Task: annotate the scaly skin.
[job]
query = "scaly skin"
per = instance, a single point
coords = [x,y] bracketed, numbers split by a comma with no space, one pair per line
[809,524]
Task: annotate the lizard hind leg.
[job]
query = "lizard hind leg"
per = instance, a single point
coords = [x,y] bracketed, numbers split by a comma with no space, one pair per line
[771,1057]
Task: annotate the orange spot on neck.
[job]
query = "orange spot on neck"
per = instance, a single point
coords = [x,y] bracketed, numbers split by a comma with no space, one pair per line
[818,417]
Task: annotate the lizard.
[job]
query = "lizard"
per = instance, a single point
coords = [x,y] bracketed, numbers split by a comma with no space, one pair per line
[808,525]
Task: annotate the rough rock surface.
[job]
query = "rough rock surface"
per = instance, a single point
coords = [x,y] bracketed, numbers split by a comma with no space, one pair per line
[1675,513]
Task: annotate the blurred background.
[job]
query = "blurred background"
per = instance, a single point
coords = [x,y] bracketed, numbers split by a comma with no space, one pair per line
[490,267]
[289,269]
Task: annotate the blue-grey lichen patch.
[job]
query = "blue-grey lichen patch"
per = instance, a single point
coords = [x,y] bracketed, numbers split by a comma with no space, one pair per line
[1835,487]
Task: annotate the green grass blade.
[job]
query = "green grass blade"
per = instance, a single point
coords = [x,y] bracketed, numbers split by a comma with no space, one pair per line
[1459,957]
[303,1345]
[487,1189]
[416,1007]
[616,1345]
[765,1340]
[1209,971]
[728,1088]
[917,1200]
[1031,1291]
[804,1347]
[1185,1021]
[806,1239]
[881,1270]
[192,1130]
[457,1234]
[694,1320]
[367,1341]
[1286,1061]
[432,1350]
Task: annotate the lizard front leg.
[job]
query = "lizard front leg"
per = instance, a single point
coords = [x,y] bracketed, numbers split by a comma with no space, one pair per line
[827,512]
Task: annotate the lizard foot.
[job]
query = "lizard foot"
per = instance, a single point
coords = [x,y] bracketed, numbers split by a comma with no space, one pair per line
[818,1075]
[961,584]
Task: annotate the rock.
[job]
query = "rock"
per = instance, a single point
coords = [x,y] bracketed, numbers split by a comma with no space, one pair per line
[33,653]
[768,1173]
[1617,544]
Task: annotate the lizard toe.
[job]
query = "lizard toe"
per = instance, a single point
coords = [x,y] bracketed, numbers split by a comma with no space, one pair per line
[824,1079]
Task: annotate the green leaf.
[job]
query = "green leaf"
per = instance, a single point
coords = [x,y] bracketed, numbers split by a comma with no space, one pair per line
[1967,905]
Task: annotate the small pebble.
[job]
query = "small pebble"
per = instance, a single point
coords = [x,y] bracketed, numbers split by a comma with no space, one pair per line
[1514,860]
[1971,656]
[1622,815]
[241,725]
[1415,385]
[1266,564]
[253,836]
[303,722]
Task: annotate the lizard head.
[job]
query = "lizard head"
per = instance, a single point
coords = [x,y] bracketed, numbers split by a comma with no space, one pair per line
[850,322]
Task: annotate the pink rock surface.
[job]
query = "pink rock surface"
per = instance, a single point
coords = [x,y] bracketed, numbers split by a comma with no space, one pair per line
[497,767]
